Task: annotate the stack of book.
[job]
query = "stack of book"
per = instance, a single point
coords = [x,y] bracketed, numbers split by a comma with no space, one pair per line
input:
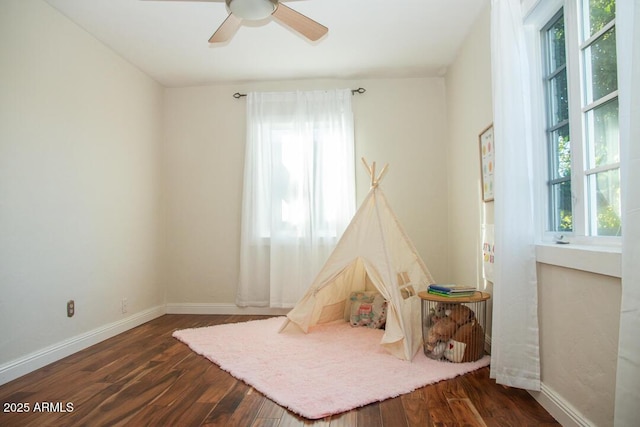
[452,291]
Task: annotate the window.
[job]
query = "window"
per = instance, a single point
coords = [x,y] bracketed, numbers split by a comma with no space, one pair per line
[299,191]
[306,192]
[581,128]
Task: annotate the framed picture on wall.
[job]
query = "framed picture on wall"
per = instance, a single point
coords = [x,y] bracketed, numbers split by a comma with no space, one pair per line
[487,162]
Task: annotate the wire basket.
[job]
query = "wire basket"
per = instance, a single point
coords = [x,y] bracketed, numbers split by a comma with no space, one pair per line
[454,331]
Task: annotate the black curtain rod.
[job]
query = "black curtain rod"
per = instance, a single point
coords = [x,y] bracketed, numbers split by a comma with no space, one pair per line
[239,95]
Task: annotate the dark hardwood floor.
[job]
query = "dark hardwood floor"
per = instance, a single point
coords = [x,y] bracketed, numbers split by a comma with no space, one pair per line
[145,377]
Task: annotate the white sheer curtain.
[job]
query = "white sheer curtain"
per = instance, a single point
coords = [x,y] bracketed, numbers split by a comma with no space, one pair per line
[627,409]
[515,359]
[299,191]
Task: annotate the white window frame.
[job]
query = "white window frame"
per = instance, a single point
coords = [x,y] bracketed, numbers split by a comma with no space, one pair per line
[598,254]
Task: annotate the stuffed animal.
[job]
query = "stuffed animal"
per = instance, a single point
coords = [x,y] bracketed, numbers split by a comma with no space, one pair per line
[472,335]
[454,351]
[435,313]
[444,328]
[438,334]
[436,351]
[461,314]
[441,309]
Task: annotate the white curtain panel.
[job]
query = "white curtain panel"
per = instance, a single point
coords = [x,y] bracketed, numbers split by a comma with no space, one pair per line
[299,191]
[627,406]
[515,358]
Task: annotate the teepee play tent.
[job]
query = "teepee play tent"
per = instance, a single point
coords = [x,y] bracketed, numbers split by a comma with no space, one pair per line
[373,254]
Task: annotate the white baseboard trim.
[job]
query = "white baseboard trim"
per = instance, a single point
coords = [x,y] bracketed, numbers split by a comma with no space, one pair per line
[560,409]
[228,309]
[36,360]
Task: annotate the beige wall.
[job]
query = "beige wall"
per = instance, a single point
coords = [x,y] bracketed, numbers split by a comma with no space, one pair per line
[579,325]
[397,121]
[578,311]
[469,111]
[79,142]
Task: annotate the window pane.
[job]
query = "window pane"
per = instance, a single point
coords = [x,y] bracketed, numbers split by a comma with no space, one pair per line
[604,203]
[560,153]
[555,48]
[602,135]
[597,13]
[562,218]
[600,67]
[559,150]
[559,98]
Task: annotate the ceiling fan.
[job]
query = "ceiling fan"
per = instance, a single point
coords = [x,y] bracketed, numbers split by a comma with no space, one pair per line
[255,10]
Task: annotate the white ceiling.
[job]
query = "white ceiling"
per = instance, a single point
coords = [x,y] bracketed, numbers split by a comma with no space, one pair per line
[168,40]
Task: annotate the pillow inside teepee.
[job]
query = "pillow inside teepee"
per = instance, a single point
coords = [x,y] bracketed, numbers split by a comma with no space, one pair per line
[368,309]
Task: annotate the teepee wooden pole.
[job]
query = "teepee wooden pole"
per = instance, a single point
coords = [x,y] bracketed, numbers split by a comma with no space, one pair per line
[366,165]
[373,175]
[382,172]
[372,171]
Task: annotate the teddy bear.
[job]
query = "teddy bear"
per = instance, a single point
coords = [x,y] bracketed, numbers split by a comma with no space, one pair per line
[435,313]
[460,314]
[471,335]
[440,331]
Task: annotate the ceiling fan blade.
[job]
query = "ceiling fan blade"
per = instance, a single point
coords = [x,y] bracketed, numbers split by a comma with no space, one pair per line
[226,30]
[299,22]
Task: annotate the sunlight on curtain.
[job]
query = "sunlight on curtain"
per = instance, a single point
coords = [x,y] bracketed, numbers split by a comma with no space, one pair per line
[627,409]
[299,191]
[515,359]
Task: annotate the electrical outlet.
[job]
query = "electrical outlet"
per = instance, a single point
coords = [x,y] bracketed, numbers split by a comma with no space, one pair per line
[71,308]
[123,305]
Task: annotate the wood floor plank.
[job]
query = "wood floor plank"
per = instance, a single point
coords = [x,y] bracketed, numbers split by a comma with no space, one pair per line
[187,386]
[347,419]
[146,377]
[124,402]
[266,422]
[465,413]
[176,414]
[392,413]
[369,416]
[246,412]
[487,400]
[415,407]
[219,382]
[224,410]
[289,419]
[439,411]
[270,410]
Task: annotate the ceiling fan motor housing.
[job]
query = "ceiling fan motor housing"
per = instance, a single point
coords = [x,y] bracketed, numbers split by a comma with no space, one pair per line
[252,9]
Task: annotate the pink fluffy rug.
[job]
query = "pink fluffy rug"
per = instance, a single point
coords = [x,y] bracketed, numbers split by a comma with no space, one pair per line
[332,369]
